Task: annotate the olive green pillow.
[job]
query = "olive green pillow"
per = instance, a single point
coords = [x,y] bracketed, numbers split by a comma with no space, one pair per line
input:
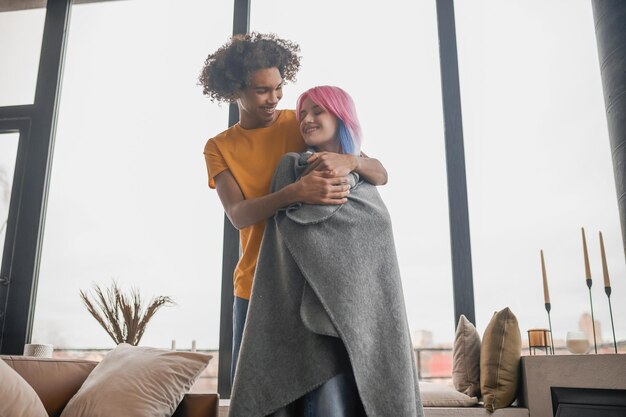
[466,358]
[499,360]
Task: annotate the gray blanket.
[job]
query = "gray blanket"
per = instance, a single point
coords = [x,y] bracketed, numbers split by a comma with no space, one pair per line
[327,298]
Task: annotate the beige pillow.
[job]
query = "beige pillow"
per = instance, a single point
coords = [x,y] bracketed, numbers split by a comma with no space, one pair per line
[136,381]
[466,358]
[499,360]
[17,398]
[439,395]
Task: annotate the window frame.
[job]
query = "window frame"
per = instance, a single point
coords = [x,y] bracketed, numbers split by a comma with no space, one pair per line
[36,124]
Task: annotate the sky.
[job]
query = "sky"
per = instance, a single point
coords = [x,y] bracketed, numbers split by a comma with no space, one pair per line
[129,198]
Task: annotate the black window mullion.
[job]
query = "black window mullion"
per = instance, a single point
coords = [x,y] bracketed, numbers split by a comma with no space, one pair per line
[241,24]
[16,324]
[22,127]
[462,281]
[16,112]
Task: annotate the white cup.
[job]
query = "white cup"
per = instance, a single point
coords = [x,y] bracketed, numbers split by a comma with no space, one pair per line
[38,350]
[577,342]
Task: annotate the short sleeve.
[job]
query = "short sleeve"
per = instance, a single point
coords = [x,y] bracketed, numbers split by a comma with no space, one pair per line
[215,162]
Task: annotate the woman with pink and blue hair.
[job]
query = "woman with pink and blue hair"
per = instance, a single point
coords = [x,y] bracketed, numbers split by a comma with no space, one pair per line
[327,334]
[328,120]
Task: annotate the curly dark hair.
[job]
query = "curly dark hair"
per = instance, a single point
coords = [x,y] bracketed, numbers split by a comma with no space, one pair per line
[229,69]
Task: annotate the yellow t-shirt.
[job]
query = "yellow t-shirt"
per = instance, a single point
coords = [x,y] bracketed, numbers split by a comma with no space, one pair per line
[252,156]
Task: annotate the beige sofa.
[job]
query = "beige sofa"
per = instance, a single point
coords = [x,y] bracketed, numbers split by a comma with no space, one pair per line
[474,412]
[429,398]
[56,380]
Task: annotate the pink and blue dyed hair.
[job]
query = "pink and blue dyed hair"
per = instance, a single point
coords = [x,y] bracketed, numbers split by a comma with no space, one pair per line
[340,104]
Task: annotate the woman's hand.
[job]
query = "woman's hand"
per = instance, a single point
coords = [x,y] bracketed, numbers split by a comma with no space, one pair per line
[339,165]
[319,187]
[332,164]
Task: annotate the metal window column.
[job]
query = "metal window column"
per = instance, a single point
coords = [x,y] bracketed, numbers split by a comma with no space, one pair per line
[609,18]
[241,24]
[462,281]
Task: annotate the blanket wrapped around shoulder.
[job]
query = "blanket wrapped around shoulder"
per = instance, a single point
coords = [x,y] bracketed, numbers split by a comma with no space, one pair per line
[327,298]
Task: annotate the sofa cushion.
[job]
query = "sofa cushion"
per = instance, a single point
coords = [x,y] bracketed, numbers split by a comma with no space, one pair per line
[63,377]
[143,381]
[439,395]
[474,412]
[499,360]
[466,358]
[17,398]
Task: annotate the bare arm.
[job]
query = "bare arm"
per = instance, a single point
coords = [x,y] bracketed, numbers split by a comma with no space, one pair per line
[342,164]
[314,188]
[371,169]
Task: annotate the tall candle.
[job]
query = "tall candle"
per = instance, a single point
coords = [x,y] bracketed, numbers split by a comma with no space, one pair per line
[587,269]
[546,293]
[605,268]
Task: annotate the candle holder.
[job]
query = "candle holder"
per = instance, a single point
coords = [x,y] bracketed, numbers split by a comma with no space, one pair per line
[607,285]
[548,308]
[540,339]
[607,290]
[577,342]
[593,319]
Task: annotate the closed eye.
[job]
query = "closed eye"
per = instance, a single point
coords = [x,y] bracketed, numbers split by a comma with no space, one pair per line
[317,110]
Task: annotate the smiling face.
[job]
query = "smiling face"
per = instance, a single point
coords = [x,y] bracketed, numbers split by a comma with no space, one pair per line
[257,102]
[318,127]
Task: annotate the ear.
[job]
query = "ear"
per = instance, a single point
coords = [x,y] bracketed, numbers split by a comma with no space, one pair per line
[239,94]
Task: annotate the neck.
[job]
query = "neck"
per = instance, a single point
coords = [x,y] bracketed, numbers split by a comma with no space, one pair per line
[330,146]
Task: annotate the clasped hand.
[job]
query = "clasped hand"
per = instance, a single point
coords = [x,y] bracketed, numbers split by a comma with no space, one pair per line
[325,180]
[331,164]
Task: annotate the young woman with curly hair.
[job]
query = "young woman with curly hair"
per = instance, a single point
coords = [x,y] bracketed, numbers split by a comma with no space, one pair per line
[251,70]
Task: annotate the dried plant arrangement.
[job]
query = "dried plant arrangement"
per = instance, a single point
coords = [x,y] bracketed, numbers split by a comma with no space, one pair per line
[123,316]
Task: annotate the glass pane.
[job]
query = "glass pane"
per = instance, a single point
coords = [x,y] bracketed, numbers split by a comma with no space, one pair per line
[129,197]
[8,155]
[20,45]
[538,161]
[392,73]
